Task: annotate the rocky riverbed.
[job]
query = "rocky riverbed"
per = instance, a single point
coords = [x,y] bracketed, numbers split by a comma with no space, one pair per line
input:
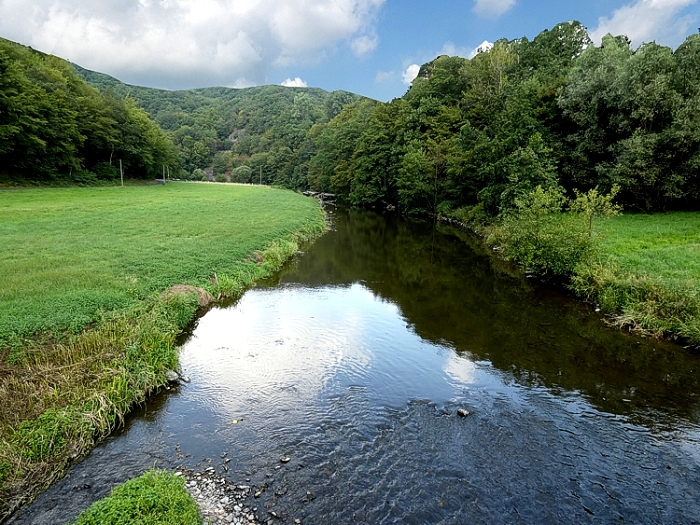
[222,501]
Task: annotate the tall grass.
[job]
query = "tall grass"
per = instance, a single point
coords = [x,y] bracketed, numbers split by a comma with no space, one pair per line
[101,332]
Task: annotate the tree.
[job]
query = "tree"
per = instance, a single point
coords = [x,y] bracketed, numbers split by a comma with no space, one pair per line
[593,204]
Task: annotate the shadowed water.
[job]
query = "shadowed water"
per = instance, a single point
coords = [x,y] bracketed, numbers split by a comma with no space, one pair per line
[354,361]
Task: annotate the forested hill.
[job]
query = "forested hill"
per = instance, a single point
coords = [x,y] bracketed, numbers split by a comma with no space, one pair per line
[259,130]
[56,128]
[557,112]
[472,134]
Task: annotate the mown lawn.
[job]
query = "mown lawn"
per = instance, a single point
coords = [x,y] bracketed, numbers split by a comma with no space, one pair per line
[68,254]
[664,246]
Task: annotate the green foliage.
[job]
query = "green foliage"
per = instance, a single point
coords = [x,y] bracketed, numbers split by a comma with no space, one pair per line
[47,436]
[541,237]
[555,111]
[221,177]
[242,174]
[593,204]
[226,128]
[155,498]
[55,128]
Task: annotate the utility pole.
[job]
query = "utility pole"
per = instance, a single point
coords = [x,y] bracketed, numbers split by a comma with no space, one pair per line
[121,171]
[260,175]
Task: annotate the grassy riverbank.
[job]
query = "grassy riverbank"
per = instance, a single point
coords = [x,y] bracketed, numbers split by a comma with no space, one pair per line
[87,329]
[155,498]
[647,277]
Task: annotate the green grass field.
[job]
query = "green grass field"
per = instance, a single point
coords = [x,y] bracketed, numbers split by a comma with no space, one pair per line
[87,329]
[68,254]
[649,276]
[664,247]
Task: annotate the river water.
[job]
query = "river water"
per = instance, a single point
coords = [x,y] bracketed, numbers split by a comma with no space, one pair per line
[354,361]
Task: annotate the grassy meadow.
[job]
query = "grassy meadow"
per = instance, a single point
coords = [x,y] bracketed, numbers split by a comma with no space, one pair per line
[87,329]
[70,254]
[648,276]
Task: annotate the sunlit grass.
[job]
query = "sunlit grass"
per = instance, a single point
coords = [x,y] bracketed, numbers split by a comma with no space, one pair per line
[664,246]
[648,278]
[68,254]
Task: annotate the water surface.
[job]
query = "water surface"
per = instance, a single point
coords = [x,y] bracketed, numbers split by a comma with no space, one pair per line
[353,362]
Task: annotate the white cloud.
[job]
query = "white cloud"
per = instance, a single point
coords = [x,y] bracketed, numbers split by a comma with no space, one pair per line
[484,47]
[364,45]
[189,43]
[297,82]
[410,74]
[647,20]
[492,8]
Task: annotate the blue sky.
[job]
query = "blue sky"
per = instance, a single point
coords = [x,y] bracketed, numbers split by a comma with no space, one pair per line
[364,46]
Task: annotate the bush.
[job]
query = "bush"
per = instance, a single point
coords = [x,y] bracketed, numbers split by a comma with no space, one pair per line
[541,237]
[221,177]
[241,174]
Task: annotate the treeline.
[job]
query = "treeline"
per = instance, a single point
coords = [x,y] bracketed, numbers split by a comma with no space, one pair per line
[556,111]
[244,135]
[56,128]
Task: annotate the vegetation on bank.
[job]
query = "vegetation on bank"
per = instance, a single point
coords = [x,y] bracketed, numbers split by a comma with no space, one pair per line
[87,330]
[55,128]
[155,498]
[648,277]
[643,271]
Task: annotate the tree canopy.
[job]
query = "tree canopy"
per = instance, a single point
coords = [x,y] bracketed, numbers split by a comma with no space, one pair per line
[55,127]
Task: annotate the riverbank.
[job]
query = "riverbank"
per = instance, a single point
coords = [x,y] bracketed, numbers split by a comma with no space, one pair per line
[91,306]
[642,272]
[647,277]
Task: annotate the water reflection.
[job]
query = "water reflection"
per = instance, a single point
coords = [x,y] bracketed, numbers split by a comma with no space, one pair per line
[450,294]
[354,361]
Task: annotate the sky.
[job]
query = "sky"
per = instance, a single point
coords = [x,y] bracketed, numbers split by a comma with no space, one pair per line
[370,47]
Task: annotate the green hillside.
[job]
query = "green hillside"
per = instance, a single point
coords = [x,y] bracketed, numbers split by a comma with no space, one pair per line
[56,128]
[262,128]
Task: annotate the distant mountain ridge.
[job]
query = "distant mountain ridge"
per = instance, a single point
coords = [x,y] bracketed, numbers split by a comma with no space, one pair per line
[225,128]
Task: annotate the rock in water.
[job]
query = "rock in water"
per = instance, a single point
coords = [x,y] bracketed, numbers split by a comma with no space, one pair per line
[172,376]
[462,412]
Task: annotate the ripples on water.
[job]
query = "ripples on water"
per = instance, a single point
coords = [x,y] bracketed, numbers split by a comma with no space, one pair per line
[354,365]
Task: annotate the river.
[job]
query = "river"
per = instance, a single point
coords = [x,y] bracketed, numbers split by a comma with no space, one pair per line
[353,363]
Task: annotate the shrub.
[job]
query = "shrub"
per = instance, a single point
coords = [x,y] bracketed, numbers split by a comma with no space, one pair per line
[241,174]
[541,237]
[221,177]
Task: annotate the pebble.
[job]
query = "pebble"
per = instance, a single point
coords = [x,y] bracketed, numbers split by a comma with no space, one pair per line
[219,501]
